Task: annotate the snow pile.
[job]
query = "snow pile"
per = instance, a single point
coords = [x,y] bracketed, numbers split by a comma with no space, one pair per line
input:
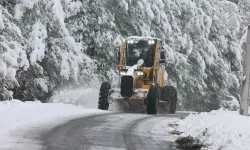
[19,119]
[226,130]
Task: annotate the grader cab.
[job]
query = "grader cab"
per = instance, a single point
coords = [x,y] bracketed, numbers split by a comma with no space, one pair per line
[142,78]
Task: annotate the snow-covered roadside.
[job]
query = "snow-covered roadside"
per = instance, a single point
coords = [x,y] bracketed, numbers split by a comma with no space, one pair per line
[224,130]
[18,119]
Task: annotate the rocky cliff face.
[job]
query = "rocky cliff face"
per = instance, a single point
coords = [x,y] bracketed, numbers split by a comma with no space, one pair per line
[61,42]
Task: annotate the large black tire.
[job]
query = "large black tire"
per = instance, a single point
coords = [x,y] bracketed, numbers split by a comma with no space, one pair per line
[152,100]
[103,103]
[170,95]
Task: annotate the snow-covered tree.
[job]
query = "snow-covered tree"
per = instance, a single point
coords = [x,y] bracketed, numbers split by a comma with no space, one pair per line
[61,42]
[13,56]
[56,58]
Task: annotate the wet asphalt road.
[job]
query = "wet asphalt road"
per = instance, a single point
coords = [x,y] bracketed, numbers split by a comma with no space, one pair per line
[113,131]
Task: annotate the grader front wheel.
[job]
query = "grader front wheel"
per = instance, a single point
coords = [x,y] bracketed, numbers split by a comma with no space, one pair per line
[103,102]
[152,100]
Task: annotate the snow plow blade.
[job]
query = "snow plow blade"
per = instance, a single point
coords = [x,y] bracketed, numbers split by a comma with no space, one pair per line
[128,105]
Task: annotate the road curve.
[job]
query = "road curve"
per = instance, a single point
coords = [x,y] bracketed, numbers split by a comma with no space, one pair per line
[112,131]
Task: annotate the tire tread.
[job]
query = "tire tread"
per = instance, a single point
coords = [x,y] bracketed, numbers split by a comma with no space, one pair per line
[103,103]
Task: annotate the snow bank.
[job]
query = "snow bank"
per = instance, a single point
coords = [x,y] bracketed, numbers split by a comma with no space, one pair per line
[17,119]
[225,130]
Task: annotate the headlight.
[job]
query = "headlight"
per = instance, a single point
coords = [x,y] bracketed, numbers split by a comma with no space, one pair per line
[139,73]
[130,41]
[151,42]
[122,73]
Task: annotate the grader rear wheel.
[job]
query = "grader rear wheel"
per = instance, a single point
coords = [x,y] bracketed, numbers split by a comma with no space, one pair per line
[170,96]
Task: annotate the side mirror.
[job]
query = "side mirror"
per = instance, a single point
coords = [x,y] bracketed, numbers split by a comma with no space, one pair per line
[162,57]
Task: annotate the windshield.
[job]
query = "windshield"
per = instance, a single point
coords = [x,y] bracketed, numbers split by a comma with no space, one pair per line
[140,50]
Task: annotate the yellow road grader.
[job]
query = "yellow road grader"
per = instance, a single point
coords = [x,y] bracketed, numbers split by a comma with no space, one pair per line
[142,77]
